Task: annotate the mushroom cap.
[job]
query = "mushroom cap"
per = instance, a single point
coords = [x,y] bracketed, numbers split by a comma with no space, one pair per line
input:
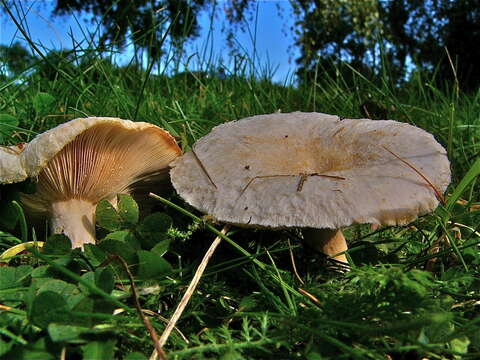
[11,168]
[312,170]
[92,159]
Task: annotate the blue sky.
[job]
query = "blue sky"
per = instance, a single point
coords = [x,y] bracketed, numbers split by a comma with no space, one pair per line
[271,34]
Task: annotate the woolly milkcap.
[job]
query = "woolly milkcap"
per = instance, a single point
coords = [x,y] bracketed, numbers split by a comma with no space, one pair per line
[312,170]
[86,160]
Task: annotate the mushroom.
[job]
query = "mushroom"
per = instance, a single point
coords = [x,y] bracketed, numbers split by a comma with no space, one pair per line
[86,160]
[314,171]
[11,169]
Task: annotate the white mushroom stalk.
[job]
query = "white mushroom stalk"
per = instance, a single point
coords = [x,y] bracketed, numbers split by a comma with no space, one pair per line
[76,219]
[330,242]
[313,171]
[84,161]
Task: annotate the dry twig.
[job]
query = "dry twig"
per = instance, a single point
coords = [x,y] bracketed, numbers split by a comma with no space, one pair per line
[293,263]
[310,296]
[145,319]
[437,193]
[203,168]
[188,293]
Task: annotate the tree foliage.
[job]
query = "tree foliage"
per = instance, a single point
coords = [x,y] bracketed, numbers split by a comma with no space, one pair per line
[143,20]
[374,35]
[14,58]
[369,35]
[458,30]
[399,33]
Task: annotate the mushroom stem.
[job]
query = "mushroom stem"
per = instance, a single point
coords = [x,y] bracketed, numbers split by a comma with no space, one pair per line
[76,219]
[327,241]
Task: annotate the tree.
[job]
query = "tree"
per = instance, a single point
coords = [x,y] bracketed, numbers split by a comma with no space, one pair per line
[332,31]
[458,31]
[15,58]
[144,20]
[373,33]
[369,35]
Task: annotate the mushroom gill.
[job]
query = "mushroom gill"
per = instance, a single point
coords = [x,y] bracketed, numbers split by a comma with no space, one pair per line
[106,159]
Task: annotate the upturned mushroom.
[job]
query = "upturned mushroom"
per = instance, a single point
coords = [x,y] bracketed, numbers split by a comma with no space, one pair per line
[86,160]
[314,171]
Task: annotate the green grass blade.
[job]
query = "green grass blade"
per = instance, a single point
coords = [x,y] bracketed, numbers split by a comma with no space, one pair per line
[22,220]
[469,177]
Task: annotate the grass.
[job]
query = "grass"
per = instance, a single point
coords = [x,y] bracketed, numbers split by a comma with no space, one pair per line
[413,292]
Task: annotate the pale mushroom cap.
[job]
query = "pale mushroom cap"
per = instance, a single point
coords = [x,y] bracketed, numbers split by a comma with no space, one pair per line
[95,158]
[11,168]
[256,164]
